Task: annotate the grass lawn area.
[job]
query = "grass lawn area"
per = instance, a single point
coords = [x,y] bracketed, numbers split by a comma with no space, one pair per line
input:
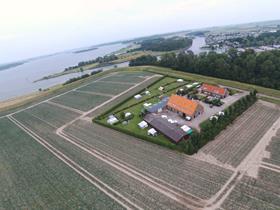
[135,106]
[212,80]
[271,100]
[133,127]
[168,83]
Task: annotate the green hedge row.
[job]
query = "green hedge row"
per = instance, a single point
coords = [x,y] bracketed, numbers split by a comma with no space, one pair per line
[211,128]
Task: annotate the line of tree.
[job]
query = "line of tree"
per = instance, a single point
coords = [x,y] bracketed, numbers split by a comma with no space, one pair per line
[211,128]
[162,44]
[250,67]
[74,79]
[268,38]
[100,60]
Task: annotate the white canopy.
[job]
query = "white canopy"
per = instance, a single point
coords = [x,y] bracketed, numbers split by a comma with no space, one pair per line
[112,120]
[143,125]
[137,96]
[186,128]
[152,132]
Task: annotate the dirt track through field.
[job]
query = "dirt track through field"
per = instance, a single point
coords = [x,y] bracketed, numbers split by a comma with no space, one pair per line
[180,197]
[243,166]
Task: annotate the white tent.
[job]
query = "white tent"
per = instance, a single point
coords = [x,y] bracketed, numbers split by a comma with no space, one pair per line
[112,120]
[143,125]
[147,105]
[221,113]
[147,92]
[161,88]
[127,114]
[152,132]
[137,96]
[180,80]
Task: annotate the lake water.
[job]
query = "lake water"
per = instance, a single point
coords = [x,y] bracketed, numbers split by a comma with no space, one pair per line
[19,80]
[198,42]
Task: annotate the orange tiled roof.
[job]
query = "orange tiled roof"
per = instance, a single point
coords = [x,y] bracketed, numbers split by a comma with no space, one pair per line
[214,89]
[182,104]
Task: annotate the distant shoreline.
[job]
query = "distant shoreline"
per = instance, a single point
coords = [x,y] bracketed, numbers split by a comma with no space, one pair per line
[4,67]
[85,50]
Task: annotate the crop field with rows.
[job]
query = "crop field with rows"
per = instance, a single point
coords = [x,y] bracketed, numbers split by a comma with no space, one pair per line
[274,149]
[33,178]
[80,101]
[106,87]
[260,193]
[132,189]
[234,143]
[132,77]
[53,157]
[198,178]
[53,114]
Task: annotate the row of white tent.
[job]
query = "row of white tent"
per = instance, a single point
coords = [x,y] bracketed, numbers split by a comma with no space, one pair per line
[144,124]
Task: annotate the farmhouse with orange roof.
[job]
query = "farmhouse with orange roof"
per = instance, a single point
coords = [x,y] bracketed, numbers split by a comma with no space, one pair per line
[184,106]
[214,91]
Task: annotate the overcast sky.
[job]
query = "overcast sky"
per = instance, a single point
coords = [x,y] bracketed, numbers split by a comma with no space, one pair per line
[37,27]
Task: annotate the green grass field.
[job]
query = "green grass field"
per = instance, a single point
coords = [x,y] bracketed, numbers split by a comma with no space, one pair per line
[106,87]
[80,101]
[33,178]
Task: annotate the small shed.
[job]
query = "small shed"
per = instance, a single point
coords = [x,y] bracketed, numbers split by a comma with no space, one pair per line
[152,132]
[180,80]
[137,97]
[143,125]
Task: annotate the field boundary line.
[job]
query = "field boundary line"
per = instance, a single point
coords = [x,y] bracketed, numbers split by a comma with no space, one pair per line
[65,107]
[76,167]
[121,83]
[94,93]
[276,167]
[271,169]
[136,175]
[104,103]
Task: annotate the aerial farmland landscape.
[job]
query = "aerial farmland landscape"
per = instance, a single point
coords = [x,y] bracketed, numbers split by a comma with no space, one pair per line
[183,112]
